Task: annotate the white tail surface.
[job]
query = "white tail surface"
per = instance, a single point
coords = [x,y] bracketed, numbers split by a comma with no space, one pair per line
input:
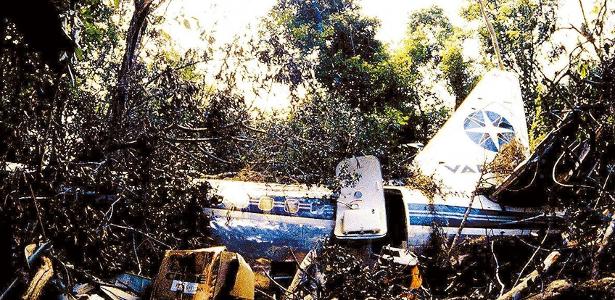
[491,116]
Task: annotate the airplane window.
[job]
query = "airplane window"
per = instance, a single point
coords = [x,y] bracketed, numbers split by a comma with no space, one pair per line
[265,203]
[291,206]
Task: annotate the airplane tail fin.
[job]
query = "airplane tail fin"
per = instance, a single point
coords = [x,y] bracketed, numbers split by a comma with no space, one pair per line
[490,117]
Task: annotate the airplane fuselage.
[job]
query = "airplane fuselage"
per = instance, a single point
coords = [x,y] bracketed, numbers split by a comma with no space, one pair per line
[281,226]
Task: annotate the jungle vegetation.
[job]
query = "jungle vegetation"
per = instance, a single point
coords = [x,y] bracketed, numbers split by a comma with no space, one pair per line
[105,124]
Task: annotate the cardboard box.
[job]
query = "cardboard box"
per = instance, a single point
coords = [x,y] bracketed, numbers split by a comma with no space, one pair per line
[203,274]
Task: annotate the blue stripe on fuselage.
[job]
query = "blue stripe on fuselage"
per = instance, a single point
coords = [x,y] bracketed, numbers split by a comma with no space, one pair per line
[313,208]
[452,216]
[276,234]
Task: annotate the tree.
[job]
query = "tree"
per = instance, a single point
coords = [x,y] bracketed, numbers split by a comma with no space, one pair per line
[432,52]
[350,62]
[100,184]
[524,30]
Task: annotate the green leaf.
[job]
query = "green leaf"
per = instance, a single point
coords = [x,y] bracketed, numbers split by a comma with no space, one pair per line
[583,69]
[79,53]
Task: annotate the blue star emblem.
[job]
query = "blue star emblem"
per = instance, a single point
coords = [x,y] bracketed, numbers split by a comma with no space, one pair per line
[488,130]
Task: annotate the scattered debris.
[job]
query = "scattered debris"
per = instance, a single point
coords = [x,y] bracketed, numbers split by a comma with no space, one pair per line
[399,256]
[136,283]
[202,274]
[40,278]
[101,291]
[211,273]
[517,291]
[117,294]
[337,271]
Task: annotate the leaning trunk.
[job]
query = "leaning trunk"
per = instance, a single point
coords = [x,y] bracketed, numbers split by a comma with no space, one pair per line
[119,101]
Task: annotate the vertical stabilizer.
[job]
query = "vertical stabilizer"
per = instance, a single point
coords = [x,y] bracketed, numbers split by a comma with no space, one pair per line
[490,117]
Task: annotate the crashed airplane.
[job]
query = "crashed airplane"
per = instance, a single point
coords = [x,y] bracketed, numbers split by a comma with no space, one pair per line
[279,222]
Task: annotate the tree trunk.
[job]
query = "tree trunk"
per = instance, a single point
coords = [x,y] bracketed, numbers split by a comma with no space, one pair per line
[603,245]
[120,100]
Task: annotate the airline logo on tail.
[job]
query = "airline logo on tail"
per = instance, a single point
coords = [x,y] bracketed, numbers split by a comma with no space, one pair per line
[488,129]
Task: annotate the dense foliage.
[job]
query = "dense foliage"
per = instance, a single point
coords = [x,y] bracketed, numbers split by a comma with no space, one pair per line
[106,128]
